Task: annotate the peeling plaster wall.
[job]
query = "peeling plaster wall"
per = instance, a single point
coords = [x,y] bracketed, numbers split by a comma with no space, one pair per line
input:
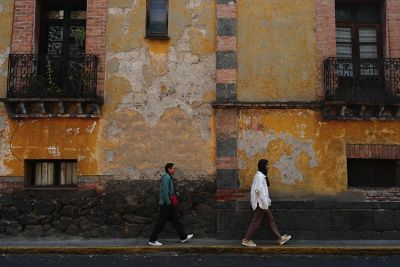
[159,92]
[6,9]
[307,157]
[277,52]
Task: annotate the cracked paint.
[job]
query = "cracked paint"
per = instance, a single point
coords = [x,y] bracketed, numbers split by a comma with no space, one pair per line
[254,142]
[160,102]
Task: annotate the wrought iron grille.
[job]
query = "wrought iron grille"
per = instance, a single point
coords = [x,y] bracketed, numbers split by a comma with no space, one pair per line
[52,76]
[365,80]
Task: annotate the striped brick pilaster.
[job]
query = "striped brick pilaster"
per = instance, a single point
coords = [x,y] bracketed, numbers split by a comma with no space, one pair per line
[226,119]
[226,73]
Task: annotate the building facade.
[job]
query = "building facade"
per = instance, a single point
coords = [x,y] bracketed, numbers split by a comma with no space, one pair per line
[98,95]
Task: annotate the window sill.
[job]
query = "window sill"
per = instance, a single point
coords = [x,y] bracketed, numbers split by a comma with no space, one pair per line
[157,37]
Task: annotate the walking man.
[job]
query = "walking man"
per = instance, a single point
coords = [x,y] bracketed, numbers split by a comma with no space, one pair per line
[168,209]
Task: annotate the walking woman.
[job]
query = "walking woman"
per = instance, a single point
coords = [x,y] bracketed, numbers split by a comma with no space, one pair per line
[168,210]
[260,203]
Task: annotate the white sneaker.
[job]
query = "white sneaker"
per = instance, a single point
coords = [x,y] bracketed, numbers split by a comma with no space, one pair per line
[284,239]
[187,238]
[155,243]
[248,243]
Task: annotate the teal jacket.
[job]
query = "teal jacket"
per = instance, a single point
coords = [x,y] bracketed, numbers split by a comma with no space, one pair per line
[166,189]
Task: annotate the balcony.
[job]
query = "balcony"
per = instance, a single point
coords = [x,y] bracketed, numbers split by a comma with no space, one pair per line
[52,86]
[362,89]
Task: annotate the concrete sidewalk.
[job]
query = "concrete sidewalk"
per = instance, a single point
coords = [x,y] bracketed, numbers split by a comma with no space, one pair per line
[199,246]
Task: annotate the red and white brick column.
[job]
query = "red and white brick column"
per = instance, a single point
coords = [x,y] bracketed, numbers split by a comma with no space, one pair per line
[226,118]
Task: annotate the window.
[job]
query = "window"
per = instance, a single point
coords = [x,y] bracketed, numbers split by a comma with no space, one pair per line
[50,172]
[157,19]
[373,172]
[360,67]
[63,28]
[358,32]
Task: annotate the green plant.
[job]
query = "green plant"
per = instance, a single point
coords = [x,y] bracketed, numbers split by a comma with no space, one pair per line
[51,89]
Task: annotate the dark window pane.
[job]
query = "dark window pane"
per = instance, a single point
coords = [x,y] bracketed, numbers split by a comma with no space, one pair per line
[158,5]
[55,40]
[77,36]
[371,172]
[343,14]
[368,14]
[158,22]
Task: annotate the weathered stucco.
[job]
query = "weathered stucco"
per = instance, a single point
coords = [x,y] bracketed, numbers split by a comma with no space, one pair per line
[52,139]
[158,92]
[276,50]
[307,156]
[6,8]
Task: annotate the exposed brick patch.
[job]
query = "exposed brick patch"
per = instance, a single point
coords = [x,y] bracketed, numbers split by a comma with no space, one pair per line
[226,120]
[326,37]
[227,11]
[380,194]
[393,28]
[10,183]
[231,194]
[23,26]
[373,151]
[98,187]
[226,43]
[226,76]
[96,18]
[227,163]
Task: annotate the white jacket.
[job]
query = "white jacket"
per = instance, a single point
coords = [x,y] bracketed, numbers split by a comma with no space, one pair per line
[259,192]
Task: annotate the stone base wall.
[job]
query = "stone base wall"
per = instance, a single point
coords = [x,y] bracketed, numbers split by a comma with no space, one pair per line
[123,209]
[313,220]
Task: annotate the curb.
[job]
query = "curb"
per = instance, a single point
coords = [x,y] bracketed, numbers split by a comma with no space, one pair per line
[309,250]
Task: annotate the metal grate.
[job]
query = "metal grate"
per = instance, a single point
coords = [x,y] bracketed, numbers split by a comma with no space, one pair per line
[52,76]
[364,80]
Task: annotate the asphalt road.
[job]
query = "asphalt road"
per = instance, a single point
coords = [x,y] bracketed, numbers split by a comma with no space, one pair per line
[174,260]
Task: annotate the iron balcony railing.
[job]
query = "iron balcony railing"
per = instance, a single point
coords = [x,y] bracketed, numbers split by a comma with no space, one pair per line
[52,76]
[361,81]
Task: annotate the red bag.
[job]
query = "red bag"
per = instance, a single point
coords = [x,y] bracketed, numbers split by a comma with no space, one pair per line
[174,199]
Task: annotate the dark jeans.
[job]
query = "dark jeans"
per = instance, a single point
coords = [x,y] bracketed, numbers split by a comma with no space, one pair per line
[168,213]
[257,219]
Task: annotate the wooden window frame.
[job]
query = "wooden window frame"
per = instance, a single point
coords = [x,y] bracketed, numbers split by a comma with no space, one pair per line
[355,45]
[149,34]
[30,168]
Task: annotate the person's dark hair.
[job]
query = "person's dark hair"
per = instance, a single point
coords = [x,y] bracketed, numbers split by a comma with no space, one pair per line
[262,167]
[168,166]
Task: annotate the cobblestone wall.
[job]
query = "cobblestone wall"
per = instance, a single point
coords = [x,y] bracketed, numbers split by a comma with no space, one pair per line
[123,209]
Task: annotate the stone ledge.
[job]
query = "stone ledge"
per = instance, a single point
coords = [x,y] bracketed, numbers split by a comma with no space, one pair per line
[18,108]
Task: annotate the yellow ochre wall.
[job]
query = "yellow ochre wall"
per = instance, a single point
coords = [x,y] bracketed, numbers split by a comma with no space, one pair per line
[157,106]
[277,52]
[307,156]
